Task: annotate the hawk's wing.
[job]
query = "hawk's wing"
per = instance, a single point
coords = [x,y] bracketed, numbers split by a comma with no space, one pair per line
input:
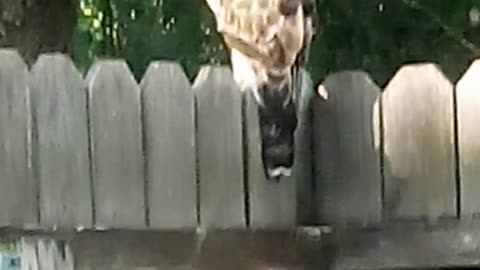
[271,33]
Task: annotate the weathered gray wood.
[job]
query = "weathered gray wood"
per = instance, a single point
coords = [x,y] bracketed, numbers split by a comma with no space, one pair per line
[347,163]
[169,132]
[410,246]
[18,189]
[303,168]
[468,100]
[40,254]
[280,205]
[419,161]
[126,250]
[236,250]
[60,153]
[219,146]
[300,248]
[28,255]
[271,204]
[261,250]
[116,146]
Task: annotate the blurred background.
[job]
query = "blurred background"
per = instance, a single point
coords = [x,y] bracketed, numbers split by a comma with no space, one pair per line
[375,35]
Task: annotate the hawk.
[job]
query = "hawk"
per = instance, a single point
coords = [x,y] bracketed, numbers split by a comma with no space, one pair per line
[268,41]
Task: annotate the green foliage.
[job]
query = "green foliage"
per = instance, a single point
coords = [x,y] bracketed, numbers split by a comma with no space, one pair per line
[379,36]
[375,35]
[141,31]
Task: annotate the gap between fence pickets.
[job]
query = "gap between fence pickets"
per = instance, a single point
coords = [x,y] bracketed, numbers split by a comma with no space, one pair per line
[246,153]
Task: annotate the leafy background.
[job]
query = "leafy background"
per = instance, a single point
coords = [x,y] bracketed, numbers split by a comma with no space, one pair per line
[376,35]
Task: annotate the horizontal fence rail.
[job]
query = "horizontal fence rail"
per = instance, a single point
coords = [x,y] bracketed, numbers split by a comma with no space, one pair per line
[103,151]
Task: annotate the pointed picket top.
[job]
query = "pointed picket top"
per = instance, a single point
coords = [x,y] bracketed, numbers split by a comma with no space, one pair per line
[345,127]
[116,146]
[169,74]
[219,148]
[116,70]
[172,68]
[221,76]
[169,120]
[417,73]
[419,158]
[470,80]
[468,108]
[58,60]
[58,101]
[11,57]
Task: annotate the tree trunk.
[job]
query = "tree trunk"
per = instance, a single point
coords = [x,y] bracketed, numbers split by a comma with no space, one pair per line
[37,26]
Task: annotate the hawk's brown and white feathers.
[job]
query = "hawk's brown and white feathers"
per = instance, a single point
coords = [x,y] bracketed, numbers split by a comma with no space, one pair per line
[268,35]
[268,41]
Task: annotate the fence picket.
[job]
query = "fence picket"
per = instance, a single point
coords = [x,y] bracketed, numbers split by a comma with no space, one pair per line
[419,159]
[60,142]
[348,180]
[116,146]
[219,146]
[18,189]
[169,132]
[468,100]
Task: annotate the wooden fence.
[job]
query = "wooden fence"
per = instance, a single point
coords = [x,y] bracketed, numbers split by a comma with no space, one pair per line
[408,152]
[105,152]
